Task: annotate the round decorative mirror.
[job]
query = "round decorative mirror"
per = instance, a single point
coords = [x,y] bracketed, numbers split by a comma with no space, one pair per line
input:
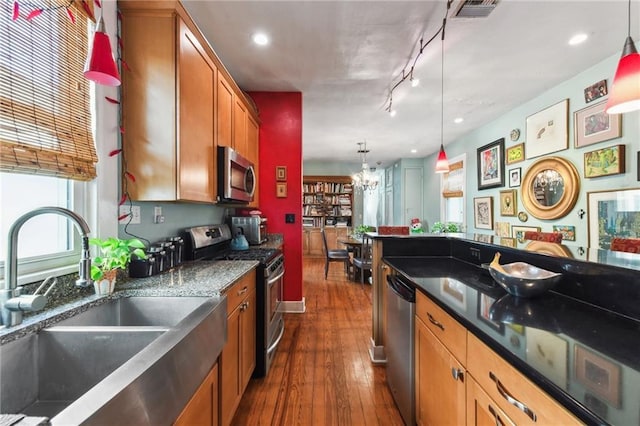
[550,188]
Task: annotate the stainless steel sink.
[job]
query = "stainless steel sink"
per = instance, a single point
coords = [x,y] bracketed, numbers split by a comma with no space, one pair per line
[133,360]
[45,372]
[137,311]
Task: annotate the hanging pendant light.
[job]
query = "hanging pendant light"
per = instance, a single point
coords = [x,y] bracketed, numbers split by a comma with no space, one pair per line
[625,91]
[101,66]
[442,164]
[365,179]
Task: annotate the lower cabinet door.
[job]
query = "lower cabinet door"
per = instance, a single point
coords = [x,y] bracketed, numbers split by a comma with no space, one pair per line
[202,409]
[440,387]
[482,410]
[230,370]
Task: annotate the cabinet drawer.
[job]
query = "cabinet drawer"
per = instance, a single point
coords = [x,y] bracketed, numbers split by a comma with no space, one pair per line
[501,382]
[240,290]
[443,326]
[482,410]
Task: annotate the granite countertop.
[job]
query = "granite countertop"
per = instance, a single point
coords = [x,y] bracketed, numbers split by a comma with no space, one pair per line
[197,278]
[584,356]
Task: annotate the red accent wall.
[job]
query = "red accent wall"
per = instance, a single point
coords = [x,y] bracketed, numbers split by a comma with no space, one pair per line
[281,145]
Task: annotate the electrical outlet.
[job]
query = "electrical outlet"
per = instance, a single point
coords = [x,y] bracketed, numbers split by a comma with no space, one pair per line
[475,253]
[133,211]
[157,215]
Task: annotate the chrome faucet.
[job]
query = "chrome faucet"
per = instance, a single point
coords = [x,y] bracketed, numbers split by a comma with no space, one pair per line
[12,303]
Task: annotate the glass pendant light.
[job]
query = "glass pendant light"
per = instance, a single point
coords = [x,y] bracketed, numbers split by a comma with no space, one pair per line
[442,164]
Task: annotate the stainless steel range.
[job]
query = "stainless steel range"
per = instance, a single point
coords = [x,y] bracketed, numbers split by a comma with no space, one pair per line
[213,242]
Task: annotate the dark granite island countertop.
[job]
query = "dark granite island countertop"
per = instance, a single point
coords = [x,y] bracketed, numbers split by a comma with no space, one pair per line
[586,357]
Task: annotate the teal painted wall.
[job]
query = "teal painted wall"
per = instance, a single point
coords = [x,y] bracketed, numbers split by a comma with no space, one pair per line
[573,90]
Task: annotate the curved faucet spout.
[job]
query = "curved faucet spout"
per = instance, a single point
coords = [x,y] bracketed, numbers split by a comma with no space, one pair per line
[11,265]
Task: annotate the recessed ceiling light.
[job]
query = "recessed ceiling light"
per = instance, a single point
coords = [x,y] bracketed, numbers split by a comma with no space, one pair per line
[392,113]
[413,151]
[577,39]
[415,82]
[458,120]
[260,39]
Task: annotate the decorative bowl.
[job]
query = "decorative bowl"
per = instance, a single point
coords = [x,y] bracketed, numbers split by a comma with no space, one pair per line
[521,279]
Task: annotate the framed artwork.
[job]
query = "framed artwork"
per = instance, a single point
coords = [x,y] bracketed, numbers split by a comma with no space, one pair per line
[515,177]
[484,309]
[517,232]
[491,165]
[593,125]
[604,162]
[515,154]
[281,189]
[508,242]
[599,375]
[595,91]
[568,232]
[503,229]
[483,212]
[281,173]
[548,354]
[548,130]
[611,214]
[508,202]
[454,291]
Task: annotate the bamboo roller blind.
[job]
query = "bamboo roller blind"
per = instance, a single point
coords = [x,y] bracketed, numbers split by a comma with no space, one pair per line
[45,120]
[453,184]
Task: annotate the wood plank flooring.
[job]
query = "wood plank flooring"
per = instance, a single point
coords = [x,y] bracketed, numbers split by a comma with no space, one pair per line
[322,373]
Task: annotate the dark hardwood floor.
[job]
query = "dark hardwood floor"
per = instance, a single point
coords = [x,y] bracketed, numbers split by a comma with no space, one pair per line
[322,373]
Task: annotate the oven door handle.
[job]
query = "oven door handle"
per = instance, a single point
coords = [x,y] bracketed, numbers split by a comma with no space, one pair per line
[275,344]
[276,278]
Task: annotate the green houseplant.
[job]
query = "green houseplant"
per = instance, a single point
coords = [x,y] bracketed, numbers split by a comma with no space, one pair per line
[439,227]
[114,253]
[361,229]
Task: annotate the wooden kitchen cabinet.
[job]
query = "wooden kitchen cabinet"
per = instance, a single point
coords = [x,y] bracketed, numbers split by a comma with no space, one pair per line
[238,358]
[224,112]
[240,128]
[312,245]
[168,145]
[253,151]
[439,379]
[482,410]
[202,409]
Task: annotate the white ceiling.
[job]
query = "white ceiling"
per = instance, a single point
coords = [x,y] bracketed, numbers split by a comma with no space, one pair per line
[345,55]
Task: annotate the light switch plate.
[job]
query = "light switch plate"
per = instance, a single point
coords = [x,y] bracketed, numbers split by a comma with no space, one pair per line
[135,214]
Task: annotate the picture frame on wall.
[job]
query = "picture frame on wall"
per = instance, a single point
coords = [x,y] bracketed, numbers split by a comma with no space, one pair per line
[568,232]
[595,91]
[483,212]
[548,130]
[611,214]
[281,173]
[515,177]
[598,374]
[593,125]
[515,154]
[604,162]
[508,202]
[281,189]
[491,165]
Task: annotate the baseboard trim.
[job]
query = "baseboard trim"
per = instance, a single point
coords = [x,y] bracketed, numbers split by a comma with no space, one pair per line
[376,353]
[293,306]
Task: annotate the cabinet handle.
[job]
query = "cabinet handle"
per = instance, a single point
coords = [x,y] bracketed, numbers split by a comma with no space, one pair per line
[243,291]
[243,307]
[433,321]
[457,374]
[384,267]
[496,416]
[510,399]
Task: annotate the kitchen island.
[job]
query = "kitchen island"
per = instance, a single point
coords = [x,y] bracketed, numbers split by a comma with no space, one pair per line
[580,351]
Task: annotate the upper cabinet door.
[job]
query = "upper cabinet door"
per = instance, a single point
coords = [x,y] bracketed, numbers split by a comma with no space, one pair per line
[240,127]
[253,155]
[224,112]
[196,82]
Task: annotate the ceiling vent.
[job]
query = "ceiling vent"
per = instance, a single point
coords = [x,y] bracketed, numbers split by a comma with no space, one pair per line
[475,8]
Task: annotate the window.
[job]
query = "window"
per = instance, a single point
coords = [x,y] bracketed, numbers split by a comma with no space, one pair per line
[452,188]
[46,134]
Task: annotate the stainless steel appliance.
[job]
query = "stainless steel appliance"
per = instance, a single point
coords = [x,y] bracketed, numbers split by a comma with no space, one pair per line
[236,176]
[401,305]
[254,228]
[212,242]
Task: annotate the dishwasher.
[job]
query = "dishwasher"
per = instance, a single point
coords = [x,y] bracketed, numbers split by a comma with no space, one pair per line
[401,306]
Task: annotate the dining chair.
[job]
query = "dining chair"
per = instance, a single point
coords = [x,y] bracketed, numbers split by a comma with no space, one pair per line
[363,260]
[334,255]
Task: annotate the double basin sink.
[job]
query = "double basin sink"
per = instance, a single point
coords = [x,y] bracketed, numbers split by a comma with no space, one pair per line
[129,360]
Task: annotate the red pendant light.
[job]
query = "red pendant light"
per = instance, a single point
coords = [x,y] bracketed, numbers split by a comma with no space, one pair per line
[625,91]
[101,66]
[442,165]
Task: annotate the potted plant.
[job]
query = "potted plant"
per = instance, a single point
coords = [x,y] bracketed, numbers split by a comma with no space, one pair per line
[361,230]
[439,227]
[114,254]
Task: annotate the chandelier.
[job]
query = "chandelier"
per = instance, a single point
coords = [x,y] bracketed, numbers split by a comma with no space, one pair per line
[365,179]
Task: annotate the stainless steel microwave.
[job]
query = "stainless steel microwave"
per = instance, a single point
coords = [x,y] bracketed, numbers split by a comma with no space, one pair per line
[236,177]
